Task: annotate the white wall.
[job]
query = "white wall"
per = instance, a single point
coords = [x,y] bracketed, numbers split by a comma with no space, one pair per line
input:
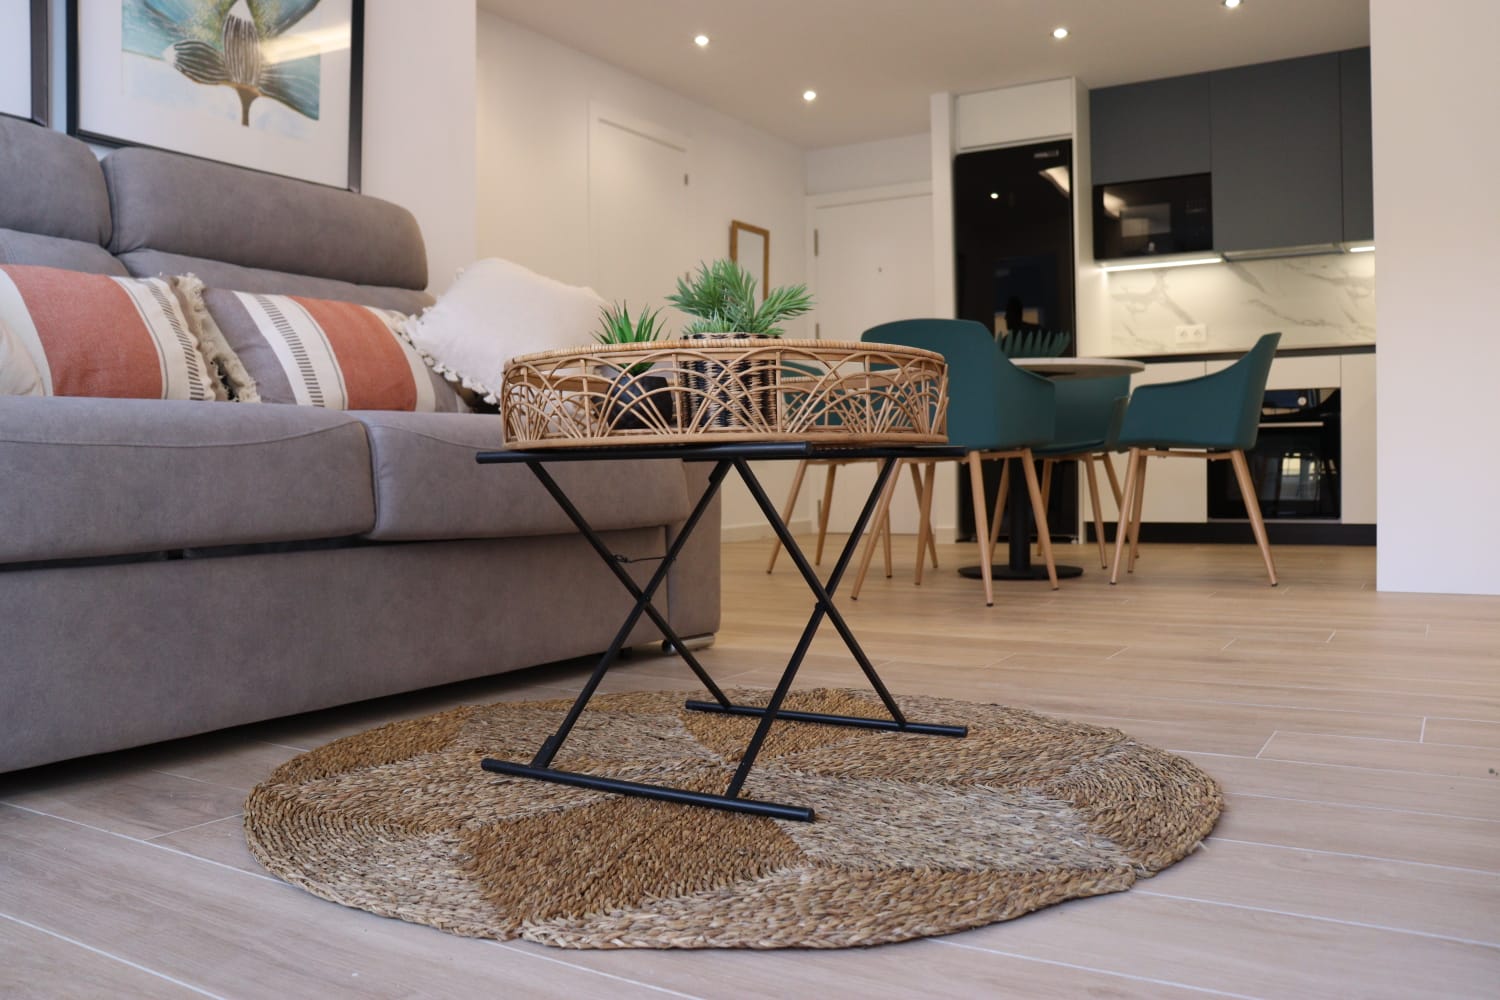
[534,98]
[862,165]
[1436,225]
[533,149]
[419,143]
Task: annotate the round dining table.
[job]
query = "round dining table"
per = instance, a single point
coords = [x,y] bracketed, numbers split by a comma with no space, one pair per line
[1019,565]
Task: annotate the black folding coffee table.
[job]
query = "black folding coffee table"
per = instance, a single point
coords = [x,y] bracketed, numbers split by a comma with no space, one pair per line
[724,456]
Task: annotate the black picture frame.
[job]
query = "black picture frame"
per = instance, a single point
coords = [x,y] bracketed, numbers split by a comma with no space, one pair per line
[41,61]
[356,99]
[39,52]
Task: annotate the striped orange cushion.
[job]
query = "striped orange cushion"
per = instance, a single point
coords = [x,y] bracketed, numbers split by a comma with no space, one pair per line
[316,352]
[96,335]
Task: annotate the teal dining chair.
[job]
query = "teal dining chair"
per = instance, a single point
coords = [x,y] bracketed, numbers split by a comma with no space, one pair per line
[995,410]
[1089,413]
[1215,417]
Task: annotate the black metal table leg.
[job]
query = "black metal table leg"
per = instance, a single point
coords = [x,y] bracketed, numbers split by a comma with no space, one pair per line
[823,607]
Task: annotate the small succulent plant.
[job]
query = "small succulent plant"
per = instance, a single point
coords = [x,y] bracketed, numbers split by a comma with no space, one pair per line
[617,326]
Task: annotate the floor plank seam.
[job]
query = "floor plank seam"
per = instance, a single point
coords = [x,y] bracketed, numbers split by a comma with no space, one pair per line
[1360,857]
[1318,917]
[1355,805]
[1422,736]
[146,843]
[1098,970]
[1378,770]
[195,826]
[529,953]
[1266,744]
[111,956]
[201,781]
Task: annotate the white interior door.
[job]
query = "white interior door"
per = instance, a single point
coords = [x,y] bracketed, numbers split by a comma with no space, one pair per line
[873,264]
[637,210]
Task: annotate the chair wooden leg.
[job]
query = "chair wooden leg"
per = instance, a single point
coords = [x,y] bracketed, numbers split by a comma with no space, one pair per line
[1114,481]
[924,520]
[976,486]
[885,536]
[929,479]
[1039,514]
[823,513]
[1001,495]
[1088,465]
[1122,527]
[1047,464]
[1137,507]
[786,512]
[923,536]
[1252,506]
[881,516]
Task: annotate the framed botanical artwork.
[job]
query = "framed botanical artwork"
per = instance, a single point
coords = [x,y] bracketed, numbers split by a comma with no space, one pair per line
[750,247]
[23,59]
[273,85]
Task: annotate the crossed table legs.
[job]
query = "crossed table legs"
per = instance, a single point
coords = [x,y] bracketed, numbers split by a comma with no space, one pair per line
[725,457]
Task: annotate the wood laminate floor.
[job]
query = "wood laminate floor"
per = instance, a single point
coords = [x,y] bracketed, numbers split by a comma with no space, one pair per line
[1357,736]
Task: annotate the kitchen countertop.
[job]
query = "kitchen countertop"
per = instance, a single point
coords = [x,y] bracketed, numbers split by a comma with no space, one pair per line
[1285,352]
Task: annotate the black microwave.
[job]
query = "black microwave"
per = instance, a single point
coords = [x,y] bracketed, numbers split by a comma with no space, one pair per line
[1168,215]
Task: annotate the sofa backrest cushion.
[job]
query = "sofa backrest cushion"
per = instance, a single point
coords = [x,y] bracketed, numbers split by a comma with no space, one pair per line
[54,207]
[217,274]
[199,209]
[51,184]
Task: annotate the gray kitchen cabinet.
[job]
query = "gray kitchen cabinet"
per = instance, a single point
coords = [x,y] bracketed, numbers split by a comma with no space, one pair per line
[1277,167]
[1354,100]
[1146,130]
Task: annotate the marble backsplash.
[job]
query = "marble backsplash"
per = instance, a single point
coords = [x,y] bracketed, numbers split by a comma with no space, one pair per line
[1320,301]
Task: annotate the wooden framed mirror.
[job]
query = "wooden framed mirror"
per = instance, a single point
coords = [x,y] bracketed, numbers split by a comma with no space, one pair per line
[750,247]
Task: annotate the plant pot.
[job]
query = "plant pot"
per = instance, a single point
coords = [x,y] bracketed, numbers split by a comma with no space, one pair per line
[731,393]
[641,402]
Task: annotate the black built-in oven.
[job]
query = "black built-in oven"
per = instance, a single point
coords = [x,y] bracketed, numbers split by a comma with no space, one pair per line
[1295,462]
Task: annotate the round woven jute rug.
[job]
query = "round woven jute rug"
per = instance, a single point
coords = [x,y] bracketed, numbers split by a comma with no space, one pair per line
[914,836]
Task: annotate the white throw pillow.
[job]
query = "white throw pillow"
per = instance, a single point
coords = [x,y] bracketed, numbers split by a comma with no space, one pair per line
[497,310]
[18,372]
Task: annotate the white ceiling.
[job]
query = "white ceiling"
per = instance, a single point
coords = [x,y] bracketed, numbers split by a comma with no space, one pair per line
[874,63]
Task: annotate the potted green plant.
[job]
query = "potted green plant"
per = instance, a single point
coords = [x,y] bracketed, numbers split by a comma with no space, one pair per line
[638,399]
[721,298]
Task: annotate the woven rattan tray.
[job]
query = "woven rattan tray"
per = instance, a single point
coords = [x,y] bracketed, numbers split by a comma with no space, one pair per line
[736,389]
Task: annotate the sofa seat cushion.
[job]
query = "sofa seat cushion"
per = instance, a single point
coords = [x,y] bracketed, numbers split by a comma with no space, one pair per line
[103,477]
[428,485]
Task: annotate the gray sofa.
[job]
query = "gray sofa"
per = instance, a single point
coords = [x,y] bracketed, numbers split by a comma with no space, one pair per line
[169,568]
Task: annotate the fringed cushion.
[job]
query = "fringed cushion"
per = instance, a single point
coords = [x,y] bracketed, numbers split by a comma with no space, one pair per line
[318,352]
[495,311]
[99,335]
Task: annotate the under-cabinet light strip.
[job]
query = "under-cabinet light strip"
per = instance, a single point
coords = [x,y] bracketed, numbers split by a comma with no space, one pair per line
[1147,265]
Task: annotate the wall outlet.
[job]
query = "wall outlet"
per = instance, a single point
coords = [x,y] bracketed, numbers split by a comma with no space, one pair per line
[1193,333]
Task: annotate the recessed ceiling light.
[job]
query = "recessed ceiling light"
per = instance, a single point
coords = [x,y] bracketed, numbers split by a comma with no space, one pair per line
[701,41]
[995,195]
[1059,33]
[809,96]
[1231,4]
